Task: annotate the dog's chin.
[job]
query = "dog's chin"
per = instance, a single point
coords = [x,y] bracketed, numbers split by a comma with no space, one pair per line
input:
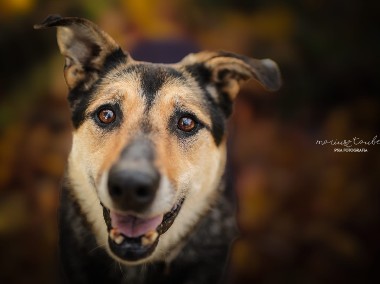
[137,248]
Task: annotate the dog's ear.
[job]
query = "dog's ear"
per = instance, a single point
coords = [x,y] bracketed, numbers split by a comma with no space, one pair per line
[225,71]
[85,47]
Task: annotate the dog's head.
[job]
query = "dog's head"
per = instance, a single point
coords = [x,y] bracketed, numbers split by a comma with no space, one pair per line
[149,140]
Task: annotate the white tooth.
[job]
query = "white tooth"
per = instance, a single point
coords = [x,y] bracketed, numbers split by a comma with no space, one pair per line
[114,234]
[149,238]
[119,239]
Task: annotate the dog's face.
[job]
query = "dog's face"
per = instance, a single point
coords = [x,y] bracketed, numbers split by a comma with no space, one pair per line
[149,140]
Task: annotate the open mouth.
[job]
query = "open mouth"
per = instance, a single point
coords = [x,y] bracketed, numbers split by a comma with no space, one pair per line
[132,238]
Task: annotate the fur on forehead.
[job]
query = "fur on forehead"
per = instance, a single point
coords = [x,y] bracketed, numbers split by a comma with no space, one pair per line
[174,86]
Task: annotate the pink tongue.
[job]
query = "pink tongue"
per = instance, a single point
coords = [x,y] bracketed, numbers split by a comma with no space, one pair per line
[132,226]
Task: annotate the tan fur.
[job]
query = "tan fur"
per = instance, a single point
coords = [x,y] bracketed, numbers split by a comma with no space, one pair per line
[174,158]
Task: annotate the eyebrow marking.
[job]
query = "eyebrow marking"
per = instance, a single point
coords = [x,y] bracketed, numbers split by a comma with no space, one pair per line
[152,78]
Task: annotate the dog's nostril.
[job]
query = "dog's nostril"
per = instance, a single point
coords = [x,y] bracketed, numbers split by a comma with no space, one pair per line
[142,192]
[116,191]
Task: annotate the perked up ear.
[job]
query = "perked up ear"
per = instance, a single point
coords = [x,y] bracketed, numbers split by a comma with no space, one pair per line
[85,47]
[227,70]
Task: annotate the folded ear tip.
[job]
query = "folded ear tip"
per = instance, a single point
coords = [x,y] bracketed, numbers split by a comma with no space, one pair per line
[50,21]
[274,75]
[269,63]
[275,83]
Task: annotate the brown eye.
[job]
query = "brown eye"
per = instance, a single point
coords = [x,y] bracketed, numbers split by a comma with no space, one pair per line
[106,116]
[186,124]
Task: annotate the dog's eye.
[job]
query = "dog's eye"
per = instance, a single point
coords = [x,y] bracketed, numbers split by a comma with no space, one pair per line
[106,116]
[186,124]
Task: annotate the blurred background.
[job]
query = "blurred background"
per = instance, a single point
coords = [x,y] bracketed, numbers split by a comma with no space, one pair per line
[306,213]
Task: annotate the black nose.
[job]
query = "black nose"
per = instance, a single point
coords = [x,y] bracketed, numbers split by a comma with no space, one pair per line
[132,190]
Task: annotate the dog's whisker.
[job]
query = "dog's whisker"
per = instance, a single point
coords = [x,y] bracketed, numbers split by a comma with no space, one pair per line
[98,247]
[121,270]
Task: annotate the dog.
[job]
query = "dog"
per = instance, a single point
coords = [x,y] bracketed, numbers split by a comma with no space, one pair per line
[143,199]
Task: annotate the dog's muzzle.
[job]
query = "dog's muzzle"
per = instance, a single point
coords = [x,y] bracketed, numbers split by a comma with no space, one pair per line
[133,181]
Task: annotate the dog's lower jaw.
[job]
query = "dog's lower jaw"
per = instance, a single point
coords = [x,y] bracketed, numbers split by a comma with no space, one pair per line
[86,260]
[169,244]
[129,248]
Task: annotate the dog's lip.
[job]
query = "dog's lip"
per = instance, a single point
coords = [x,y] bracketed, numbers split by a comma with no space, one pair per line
[135,248]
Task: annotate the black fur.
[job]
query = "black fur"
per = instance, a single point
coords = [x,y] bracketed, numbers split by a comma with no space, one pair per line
[79,101]
[114,59]
[218,125]
[219,112]
[225,103]
[57,20]
[203,76]
[152,79]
